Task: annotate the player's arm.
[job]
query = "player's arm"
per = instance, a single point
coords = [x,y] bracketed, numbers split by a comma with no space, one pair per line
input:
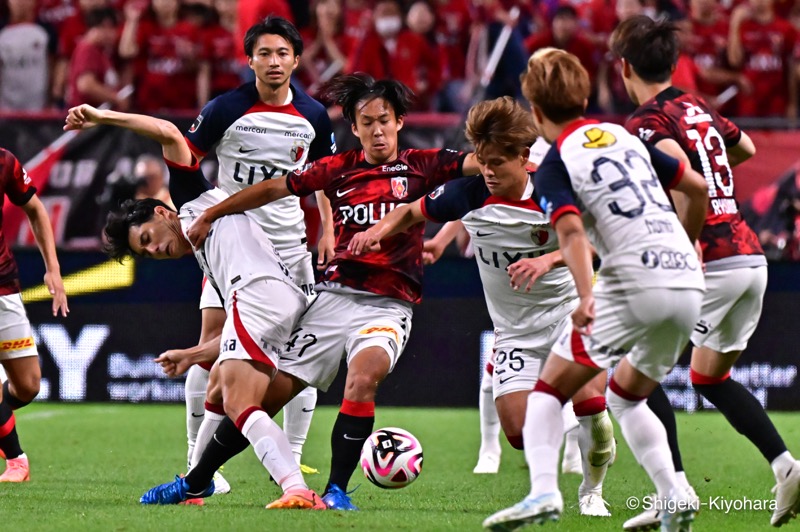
[176,362]
[43,233]
[742,151]
[433,249]
[244,200]
[397,221]
[327,243]
[527,271]
[165,133]
[576,252]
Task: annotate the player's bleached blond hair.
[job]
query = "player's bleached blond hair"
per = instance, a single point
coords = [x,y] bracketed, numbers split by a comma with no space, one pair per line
[556,83]
[503,123]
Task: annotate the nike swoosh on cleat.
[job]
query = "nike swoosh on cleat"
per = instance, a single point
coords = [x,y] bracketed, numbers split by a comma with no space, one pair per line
[197,415]
[242,150]
[340,193]
[307,409]
[346,437]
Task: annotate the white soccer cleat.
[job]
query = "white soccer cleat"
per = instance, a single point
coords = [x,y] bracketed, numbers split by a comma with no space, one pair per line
[647,520]
[531,510]
[681,508]
[488,464]
[787,497]
[593,505]
[221,485]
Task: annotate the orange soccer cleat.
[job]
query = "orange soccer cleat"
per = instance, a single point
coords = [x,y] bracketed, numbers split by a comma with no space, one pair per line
[17,470]
[193,502]
[298,499]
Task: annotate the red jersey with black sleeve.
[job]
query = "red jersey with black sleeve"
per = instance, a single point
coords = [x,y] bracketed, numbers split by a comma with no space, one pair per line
[704,135]
[16,185]
[361,194]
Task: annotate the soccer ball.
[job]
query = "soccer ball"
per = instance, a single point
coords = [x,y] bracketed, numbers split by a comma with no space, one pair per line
[391,458]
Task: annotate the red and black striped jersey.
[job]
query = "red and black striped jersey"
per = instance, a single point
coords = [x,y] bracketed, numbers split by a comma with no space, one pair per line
[16,185]
[361,194]
[704,135]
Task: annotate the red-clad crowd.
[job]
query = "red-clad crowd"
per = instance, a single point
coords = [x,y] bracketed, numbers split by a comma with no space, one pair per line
[742,55]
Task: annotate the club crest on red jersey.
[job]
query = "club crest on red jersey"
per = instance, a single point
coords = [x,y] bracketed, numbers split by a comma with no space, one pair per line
[297,152]
[399,187]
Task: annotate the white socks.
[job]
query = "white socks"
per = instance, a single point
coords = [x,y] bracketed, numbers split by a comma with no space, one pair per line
[647,439]
[596,440]
[273,450]
[297,416]
[211,421]
[542,434]
[490,422]
[195,397]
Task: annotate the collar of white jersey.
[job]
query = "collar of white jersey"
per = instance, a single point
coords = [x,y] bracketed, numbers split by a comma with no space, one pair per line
[290,96]
[528,193]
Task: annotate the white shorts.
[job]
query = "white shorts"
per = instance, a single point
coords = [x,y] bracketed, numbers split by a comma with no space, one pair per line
[16,336]
[297,259]
[516,369]
[731,309]
[260,321]
[338,324]
[650,327]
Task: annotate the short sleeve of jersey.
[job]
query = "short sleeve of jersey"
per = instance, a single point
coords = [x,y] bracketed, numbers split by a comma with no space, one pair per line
[438,166]
[15,181]
[324,143]
[186,183]
[206,129]
[668,169]
[455,199]
[553,187]
[729,131]
[650,127]
[312,177]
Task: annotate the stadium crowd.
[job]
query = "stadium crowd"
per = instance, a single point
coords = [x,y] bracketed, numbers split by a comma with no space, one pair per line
[741,55]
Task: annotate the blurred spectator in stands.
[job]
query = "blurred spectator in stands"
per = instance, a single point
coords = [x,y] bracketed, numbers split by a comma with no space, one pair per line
[27,48]
[152,178]
[92,76]
[167,56]
[390,50]
[778,227]
[454,23]
[55,12]
[760,43]
[564,34]
[326,45]
[70,32]
[357,18]
[612,97]
[222,50]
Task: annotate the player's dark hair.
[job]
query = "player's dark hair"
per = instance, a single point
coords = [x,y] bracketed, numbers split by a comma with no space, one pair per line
[99,16]
[649,46]
[273,25]
[503,123]
[119,222]
[348,91]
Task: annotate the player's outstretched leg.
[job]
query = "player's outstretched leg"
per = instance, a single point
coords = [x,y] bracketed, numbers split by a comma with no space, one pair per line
[297,415]
[747,416]
[489,453]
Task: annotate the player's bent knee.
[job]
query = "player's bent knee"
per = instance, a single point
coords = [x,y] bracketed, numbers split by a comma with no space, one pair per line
[515,440]
[27,389]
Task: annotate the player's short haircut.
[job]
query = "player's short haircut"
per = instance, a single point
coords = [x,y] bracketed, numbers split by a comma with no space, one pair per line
[503,123]
[273,25]
[557,84]
[348,91]
[650,47]
[119,222]
[100,15]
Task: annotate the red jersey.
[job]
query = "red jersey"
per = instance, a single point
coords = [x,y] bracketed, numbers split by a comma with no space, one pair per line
[222,52]
[579,46]
[453,21]
[16,185]
[361,194]
[89,57]
[707,46]
[71,32]
[704,136]
[767,50]
[166,66]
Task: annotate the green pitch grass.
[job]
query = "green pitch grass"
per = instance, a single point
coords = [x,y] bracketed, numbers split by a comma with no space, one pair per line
[90,464]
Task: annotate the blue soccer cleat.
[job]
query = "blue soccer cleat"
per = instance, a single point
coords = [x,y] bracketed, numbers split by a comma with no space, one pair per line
[335,498]
[174,492]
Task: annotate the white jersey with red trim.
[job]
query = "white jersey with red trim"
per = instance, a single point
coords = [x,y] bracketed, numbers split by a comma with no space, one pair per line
[257,141]
[617,183]
[502,233]
[226,262]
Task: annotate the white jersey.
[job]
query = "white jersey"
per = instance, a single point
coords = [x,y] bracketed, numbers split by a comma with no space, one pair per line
[237,251]
[24,66]
[609,176]
[257,141]
[502,233]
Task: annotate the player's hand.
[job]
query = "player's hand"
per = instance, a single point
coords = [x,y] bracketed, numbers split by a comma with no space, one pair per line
[699,250]
[325,250]
[55,286]
[583,316]
[431,251]
[527,271]
[364,242]
[198,231]
[174,362]
[82,117]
